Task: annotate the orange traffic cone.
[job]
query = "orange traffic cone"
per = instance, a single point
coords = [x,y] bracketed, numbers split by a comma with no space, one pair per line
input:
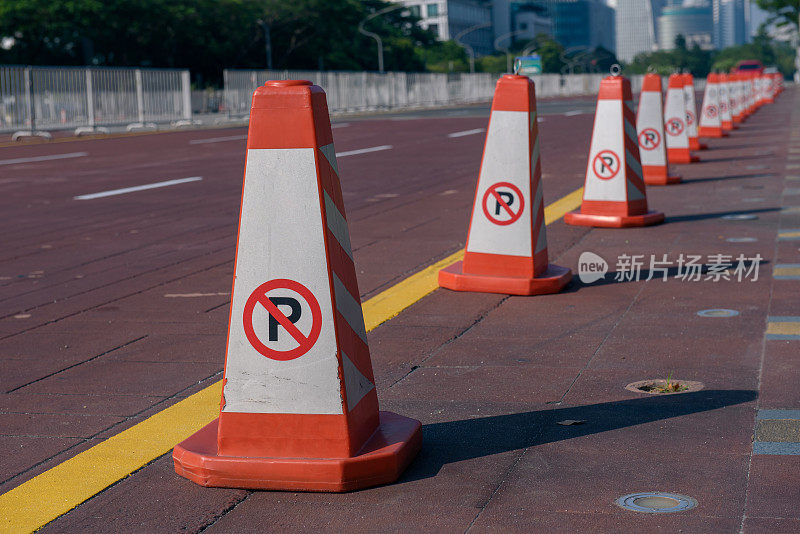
[675,123]
[507,245]
[737,98]
[299,409]
[614,194]
[725,105]
[711,116]
[650,130]
[691,113]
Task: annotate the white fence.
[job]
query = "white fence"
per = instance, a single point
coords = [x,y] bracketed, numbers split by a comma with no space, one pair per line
[52,98]
[361,91]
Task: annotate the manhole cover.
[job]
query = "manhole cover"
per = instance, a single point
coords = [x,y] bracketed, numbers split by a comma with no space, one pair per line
[740,217]
[656,502]
[741,240]
[718,312]
[660,386]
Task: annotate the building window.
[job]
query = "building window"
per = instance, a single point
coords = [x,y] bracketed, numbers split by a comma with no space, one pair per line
[433,10]
[523,26]
[434,28]
[414,10]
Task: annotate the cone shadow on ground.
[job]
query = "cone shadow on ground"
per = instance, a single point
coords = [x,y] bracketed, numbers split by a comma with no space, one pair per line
[467,439]
[736,158]
[716,215]
[722,178]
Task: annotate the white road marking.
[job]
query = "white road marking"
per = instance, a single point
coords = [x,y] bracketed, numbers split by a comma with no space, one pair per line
[137,188]
[467,132]
[43,158]
[217,139]
[573,113]
[363,151]
[340,125]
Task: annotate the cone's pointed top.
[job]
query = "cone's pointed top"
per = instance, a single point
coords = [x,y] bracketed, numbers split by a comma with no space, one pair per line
[651,82]
[286,83]
[675,81]
[514,93]
[615,88]
[712,77]
[688,79]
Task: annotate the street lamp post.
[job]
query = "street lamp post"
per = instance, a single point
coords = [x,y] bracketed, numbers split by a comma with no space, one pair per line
[468,48]
[375,35]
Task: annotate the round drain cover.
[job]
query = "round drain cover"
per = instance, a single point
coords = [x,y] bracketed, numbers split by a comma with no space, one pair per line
[656,502]
[740,217]
[741,240]
[718,312]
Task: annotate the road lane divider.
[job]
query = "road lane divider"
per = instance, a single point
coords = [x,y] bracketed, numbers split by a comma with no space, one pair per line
[36,159]
[466,132]
[145,187]
[363,151]
[58,490]
[217,139]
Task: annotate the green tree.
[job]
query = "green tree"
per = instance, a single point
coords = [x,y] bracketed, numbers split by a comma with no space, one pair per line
[208,35]
[783,11]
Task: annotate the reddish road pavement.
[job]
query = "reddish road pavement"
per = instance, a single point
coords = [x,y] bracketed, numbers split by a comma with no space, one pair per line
[114,308]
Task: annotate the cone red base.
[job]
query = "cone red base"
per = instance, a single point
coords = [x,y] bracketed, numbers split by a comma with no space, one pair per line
[381,461]
[681,155]
[694,144]
[712,132]
[659,175]
[663,180]
[553,280]
[576,218]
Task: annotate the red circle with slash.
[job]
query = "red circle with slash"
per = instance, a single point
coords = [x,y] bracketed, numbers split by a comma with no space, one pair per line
[606,164]
[305,342]
[674,126]
[649,135]
[493,191]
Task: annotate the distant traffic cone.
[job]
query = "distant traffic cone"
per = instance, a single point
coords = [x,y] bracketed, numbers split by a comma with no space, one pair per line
[710,116]
[724,88]
[675,123]
[614,194]
[737,98]
[691,113]
[507,243]
[650,130]
[299,409]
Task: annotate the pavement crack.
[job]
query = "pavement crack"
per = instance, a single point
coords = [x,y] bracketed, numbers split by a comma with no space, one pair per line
[127,343]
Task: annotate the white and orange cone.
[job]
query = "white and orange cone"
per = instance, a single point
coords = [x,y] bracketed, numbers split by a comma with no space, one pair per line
[507,243]
[726,119]
[710,115]
[650,130]
[691,113]
[614,193]
[677,137]
[299,409]
[737,98]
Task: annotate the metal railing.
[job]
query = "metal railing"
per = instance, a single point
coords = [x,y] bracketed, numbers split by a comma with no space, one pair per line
[36,99]
[364,91]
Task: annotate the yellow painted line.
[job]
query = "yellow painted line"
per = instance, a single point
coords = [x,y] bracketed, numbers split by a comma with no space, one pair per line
[55,492]
[783,329]
[786,271]
[789,235]
[386,305]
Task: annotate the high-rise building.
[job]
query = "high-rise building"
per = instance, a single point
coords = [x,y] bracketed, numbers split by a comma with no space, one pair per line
[637,29]
[694,20]
[731,19]
[448,18]
[516,20]
[583,23]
